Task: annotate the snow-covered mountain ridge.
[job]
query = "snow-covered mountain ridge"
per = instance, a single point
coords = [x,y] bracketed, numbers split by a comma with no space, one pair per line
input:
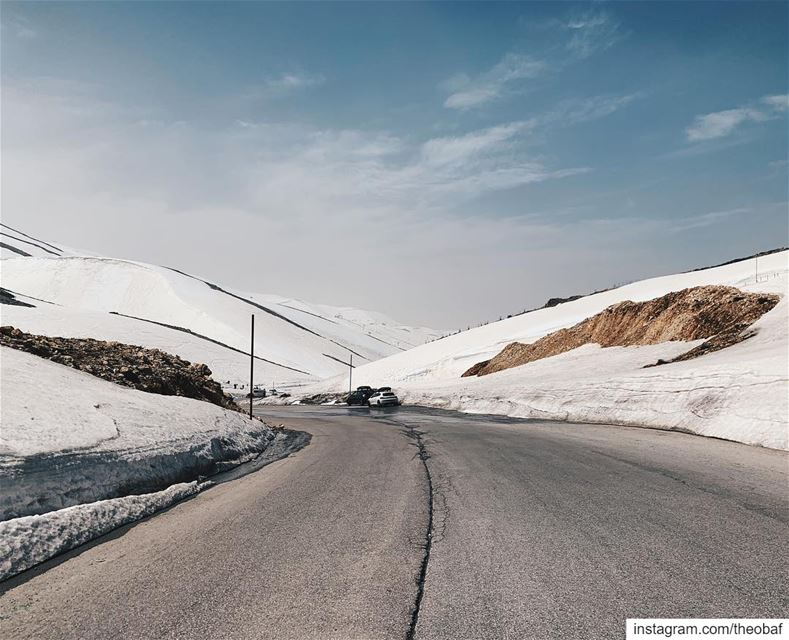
[199,320]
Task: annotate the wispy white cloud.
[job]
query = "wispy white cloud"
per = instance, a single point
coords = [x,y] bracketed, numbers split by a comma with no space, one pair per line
[281,167]
[578,110]
[489,86]
[705,219]
[719,124]
[589,32]
[646,226]
[293,81]
[777,102]
[281,85]
[460,149]
[592,31]
[367,170]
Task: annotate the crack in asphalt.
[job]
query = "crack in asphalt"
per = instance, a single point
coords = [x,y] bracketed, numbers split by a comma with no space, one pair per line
[412,432]
[424,456]
[441,509]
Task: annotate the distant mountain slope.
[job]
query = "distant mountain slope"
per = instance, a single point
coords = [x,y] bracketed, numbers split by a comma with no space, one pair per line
[740,392]
[15,243]
[449,357]
[199,320]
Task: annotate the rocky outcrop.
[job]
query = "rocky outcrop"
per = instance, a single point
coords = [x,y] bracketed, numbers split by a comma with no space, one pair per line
[131,366]
[323,398]
[553,302]
[718,314]
[476,369]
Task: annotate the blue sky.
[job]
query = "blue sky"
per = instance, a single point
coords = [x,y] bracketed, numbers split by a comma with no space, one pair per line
[445,163]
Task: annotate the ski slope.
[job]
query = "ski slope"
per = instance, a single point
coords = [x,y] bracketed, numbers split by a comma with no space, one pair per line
[740,393]
[201,321]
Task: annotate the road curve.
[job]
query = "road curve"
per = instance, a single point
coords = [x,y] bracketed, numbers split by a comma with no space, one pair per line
[536,530]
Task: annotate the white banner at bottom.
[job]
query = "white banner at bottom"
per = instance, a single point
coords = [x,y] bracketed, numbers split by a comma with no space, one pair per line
[707,628]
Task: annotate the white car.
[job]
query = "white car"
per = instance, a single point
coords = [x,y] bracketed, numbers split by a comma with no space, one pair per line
[383,398]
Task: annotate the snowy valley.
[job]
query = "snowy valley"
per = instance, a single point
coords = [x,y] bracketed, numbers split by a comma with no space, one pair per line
[80,455]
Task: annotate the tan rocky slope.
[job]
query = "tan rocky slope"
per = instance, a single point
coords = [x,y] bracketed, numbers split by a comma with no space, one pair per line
[718,314]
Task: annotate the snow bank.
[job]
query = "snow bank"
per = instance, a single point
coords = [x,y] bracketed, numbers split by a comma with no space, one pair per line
[740,393]
[69,438]
[31,540]
[80,456]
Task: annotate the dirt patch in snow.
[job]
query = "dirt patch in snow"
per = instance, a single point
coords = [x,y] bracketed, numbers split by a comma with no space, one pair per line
[718,314]
[144,369]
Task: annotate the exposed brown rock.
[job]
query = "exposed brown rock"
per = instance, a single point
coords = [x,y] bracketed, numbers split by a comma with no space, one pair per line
[720,314]
[149,370]
[474,370]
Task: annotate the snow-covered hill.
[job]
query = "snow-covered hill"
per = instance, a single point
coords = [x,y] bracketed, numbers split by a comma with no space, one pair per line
[159,307]
[80,455]
[740,393]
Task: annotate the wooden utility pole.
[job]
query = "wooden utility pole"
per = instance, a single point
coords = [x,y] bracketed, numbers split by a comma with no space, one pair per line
[251,366]
[350,375]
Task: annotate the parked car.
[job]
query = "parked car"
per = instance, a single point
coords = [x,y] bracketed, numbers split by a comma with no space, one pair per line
[361,395]
[383,399]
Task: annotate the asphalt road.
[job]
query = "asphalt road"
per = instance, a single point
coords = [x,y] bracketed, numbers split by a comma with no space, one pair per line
[537,530]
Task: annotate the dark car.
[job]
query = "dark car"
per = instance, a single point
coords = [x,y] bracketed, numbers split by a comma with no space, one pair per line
[361,395]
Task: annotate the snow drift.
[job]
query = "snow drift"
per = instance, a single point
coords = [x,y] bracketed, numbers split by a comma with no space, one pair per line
[80,455]
[32,540]
[70,438]
[739,393]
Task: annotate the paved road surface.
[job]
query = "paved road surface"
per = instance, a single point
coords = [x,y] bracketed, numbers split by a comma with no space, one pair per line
[538,531]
